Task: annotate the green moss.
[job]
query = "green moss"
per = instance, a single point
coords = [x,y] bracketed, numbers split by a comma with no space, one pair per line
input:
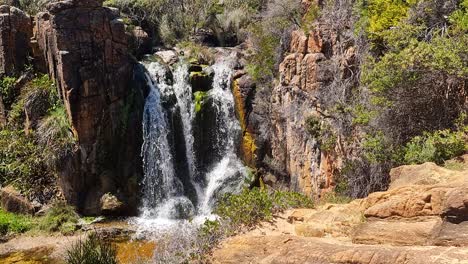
[200,98]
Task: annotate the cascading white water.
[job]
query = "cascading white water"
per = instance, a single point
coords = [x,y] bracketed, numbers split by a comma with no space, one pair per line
[161,187]
[222,177]
[183,93]
[164,197]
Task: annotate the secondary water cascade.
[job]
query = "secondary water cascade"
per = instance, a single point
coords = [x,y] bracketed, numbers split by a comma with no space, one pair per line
[177,184]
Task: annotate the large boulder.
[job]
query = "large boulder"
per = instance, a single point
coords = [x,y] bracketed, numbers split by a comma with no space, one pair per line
[15,32]
[85,48]
[12,201]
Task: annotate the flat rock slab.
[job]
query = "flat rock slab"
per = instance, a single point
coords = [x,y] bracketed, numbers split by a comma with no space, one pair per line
[402,232]
[292,249]
[450,234]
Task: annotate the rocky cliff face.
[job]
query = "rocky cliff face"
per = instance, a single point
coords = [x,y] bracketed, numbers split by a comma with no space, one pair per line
[15,32]
[85,49]
[304,146]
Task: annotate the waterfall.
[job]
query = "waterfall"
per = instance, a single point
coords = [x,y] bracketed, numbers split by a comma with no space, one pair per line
[164,194]
[163,191]
[183,93]
[222,178]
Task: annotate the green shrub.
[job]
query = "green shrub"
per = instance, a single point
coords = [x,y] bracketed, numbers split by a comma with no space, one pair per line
[7,91]
[14,223]
[60,218]
[21,162]
[362,115]
[323,133]
[40,95]
[436,147]
[313,126]
[93,250]
[309,18]
[377,149]
[253,206]
[378,16]
[55,133]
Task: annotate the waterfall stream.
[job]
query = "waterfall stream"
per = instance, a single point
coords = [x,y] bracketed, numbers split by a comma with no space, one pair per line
[170,111]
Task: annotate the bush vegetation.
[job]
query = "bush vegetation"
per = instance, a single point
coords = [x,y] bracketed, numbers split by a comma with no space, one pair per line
[21,162]
[60,218]
[7,90]
[93,250]
[28,157]
[437,147]
[412,72]
[14,223]
[247,209]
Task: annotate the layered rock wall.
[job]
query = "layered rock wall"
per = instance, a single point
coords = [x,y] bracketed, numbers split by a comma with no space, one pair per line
[85,49]
[306,74]
[15,32]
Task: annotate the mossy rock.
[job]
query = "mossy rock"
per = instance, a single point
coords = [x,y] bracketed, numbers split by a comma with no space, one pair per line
[201,81]
[200,99]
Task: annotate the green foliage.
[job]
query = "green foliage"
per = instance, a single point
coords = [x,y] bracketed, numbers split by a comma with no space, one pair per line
[377,16]
[362,115]
[309,18]
[376,148]
[40,94]
[44,83]
[7,91]
[14,223]
[455,165]
[93,250]
[436,147]
[33,7]
[253,206]
[60,218]
[459,18]
[261,65]
[55,133]
[313,126]
[322,132]
[21,162]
